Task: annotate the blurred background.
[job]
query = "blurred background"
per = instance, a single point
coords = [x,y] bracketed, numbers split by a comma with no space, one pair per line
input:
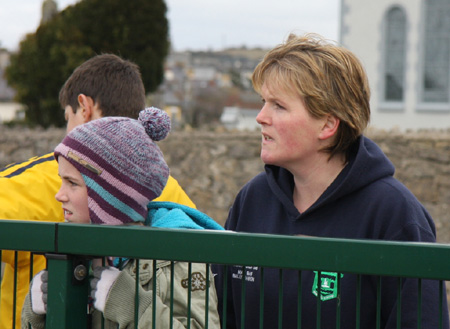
[197,56]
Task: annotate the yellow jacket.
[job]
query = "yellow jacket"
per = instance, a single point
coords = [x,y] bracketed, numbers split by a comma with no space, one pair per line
[27,192]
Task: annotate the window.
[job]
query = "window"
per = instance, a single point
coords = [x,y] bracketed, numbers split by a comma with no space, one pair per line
[394,55]
[436,59]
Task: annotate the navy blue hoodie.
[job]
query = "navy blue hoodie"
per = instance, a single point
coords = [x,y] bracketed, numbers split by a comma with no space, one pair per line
[364,202]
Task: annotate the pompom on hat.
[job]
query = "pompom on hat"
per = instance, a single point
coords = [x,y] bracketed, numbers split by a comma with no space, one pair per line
[121,165]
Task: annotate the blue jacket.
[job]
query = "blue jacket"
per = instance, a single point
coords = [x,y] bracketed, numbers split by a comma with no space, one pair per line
[364,202]
[173,215]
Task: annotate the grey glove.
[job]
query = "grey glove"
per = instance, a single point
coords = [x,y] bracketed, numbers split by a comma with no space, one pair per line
[39,292]
[101,283]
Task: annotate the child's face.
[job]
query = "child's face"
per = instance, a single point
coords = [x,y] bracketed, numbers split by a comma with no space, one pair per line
[73,193]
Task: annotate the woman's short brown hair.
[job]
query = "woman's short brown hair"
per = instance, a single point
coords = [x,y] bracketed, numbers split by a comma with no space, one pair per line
[330,80]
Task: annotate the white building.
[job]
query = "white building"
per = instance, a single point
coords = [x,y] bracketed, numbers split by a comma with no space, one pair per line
[10,111]
[235,118]
[405,48]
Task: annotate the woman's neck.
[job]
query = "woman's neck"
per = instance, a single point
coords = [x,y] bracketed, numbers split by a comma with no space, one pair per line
[311,183]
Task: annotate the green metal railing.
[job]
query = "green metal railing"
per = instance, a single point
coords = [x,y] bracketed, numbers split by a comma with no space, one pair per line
[68,245]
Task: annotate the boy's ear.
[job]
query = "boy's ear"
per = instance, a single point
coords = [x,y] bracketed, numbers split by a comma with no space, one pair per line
[87,107]
[330,127]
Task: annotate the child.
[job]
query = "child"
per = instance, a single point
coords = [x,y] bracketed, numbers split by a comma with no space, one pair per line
[103,86]
[111,169]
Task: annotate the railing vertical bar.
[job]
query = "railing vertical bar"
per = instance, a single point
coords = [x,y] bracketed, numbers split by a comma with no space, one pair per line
[378,321]
[31,266]
[15,289]
[399,303]
[102,321]
[358,301]
[1,261]
[261,299]
[67,302]
[243,298]
[299,299]
[136,296]
[441,304]
[225,297]
[419,304]
[318,311]
[189,295]
[1,278]
[280,299]
[31,274]
[172,287]
[338,304]
[154,294]
[207,297]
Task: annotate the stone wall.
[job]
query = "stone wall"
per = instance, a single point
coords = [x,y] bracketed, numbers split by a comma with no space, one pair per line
[212,166]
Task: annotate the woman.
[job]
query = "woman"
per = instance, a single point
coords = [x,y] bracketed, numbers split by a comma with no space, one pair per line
[323,178]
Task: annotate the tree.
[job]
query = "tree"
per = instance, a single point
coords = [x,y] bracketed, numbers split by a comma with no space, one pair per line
[136,30]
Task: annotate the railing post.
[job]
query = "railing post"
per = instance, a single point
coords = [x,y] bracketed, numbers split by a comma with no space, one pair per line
[67,292]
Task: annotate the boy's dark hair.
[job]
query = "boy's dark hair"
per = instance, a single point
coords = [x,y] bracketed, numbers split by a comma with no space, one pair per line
[113,83]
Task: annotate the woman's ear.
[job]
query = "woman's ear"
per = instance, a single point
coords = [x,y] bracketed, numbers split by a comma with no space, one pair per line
[330,127]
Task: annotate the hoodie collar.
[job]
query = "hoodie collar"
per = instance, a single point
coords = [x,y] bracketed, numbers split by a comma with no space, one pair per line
[367,163]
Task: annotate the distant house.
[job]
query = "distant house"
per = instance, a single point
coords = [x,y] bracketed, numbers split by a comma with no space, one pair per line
[8,109]
[235,118]
[175,115]
[6,92]
[405,48]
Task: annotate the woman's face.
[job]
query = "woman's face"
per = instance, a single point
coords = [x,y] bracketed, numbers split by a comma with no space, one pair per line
[73,193]
[290,135]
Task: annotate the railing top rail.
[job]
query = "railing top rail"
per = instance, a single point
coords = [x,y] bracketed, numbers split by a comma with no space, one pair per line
[406,259]
[27,235]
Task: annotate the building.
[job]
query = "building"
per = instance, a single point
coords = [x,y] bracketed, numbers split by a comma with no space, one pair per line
[9,110]
[6,92]
[405,48]
[196,85]
[235,118]
[49,10]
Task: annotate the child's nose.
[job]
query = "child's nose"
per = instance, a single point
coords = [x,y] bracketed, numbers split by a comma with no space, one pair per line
[60,196]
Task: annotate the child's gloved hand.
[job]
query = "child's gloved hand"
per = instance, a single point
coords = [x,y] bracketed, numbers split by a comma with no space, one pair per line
[101,283]
[39,292]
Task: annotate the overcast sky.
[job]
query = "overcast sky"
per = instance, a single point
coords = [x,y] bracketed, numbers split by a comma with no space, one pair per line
[204,24]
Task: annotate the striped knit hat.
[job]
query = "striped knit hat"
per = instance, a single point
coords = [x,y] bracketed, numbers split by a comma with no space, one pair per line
[121,165]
